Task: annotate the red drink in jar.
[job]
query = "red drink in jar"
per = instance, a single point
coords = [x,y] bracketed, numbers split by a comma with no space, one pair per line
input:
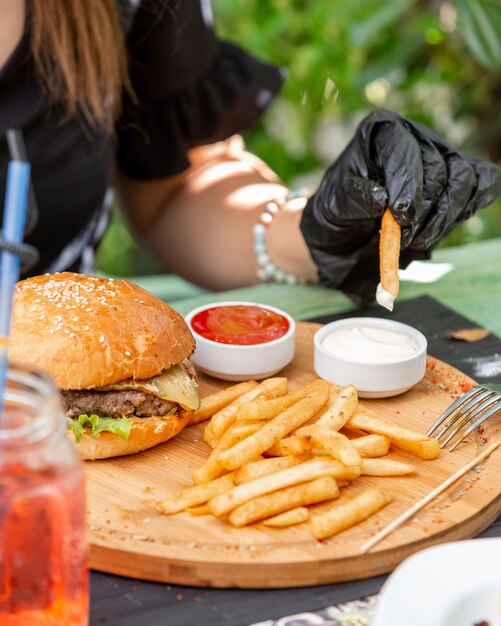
[43,569]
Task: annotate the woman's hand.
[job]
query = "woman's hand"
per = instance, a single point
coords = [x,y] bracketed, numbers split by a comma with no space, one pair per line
[391,161]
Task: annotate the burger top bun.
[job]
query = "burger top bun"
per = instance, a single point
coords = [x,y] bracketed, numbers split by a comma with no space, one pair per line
[90,332]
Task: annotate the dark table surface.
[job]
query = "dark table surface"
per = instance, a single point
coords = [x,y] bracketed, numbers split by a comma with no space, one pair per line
[117,601]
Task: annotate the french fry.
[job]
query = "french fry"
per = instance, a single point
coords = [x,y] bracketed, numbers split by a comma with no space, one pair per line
[262,409]
[342,405]
[272,387]
[212,468]
[348,513]
[304,472]
[200,509]
[385,467]
[256,469]
[289,445]
[271,504]
[334,443]
[389,252]
[409,440]
[214,402]
[193,496]
[208,437]
[290,518]
[273,430]
[370,446]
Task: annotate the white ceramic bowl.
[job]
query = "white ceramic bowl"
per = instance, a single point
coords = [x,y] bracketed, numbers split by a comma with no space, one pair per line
[242,362]
[372,379]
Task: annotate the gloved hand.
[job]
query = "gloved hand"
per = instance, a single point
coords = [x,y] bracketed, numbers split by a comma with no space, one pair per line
[390,162]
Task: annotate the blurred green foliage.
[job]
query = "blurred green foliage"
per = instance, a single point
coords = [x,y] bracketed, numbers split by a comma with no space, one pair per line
[438,62]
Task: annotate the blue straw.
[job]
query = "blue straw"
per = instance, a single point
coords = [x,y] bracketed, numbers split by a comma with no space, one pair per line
[14,216]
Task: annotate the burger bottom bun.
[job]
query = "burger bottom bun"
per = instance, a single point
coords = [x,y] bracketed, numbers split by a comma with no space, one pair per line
[145,433]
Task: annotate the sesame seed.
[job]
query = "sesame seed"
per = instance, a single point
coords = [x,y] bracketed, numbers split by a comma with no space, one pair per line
[101,339]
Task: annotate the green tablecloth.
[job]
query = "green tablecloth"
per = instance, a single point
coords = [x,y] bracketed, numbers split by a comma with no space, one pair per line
[469,282]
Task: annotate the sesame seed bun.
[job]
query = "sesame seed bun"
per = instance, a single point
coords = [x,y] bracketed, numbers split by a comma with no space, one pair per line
[89,332]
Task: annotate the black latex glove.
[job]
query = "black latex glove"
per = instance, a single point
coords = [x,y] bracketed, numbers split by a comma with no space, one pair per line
[390,162]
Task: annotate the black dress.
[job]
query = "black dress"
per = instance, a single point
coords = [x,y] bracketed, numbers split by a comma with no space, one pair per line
[192,89]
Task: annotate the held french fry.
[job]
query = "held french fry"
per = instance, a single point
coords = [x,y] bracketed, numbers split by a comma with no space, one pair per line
[223,419]
[385,467]
[262,409]
[332,442]
[256,469]
[289,518]
[193,496]
[214,402]
[348,513]
[389,253]
[409,440]
[212,468]
[370,446]
[318,490]
[342,405]
[304,472]
[273,430]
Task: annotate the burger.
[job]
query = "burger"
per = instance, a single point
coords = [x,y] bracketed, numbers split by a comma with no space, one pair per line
[118,354]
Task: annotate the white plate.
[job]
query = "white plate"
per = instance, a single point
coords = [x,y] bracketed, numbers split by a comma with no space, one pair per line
[454,584]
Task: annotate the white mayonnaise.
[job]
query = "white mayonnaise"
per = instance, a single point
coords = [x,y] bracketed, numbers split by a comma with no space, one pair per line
[368,344]
[384,298]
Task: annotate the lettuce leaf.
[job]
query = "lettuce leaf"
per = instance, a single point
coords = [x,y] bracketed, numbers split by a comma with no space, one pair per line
[97,425]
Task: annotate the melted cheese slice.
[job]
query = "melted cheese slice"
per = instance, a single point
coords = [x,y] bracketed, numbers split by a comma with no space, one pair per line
[174,384]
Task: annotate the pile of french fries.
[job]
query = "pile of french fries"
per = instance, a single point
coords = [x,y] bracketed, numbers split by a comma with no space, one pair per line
[276,453]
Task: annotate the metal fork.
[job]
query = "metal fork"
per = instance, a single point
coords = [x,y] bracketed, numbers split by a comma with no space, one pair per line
[473,407]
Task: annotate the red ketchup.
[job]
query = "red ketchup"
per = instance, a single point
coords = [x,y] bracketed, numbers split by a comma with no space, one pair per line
[240,324]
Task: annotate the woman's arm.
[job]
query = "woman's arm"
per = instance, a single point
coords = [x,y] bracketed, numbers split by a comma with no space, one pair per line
[199,224]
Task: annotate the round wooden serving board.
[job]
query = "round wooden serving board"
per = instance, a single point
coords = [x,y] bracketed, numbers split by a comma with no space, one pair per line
[128,536]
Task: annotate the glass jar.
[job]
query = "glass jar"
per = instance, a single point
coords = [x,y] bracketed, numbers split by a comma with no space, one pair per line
[43,551]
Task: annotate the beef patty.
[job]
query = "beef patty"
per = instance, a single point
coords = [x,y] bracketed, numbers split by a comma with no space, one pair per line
[114,403]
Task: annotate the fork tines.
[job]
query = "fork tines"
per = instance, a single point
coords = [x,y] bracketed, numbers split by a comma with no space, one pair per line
[470,409]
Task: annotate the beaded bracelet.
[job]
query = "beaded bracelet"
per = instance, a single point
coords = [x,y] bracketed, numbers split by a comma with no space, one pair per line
[267,271]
